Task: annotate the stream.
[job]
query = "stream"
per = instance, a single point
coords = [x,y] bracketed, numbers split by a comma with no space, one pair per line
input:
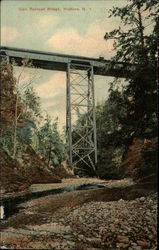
[11,205]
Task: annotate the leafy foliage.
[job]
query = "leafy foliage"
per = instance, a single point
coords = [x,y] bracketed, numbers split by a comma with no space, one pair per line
[134,46]
[21,118]
[31,103]
[50,143]
[132,112]
[149,153]
[7,96]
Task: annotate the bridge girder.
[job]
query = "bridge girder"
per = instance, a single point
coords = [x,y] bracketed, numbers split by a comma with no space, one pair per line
[55,61]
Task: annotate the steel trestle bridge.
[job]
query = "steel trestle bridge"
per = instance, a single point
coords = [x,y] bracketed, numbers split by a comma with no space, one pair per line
[80,98]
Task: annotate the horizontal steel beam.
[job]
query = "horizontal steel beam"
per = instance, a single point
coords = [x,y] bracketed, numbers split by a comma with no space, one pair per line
[55,61]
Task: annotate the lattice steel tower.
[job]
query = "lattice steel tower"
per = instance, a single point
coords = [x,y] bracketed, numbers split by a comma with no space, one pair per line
[81,136]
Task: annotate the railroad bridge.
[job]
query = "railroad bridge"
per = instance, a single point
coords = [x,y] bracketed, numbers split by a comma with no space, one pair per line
[80,98]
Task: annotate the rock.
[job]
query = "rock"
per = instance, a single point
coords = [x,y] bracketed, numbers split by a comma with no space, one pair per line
[148,213]
[112,227]
[90,240]
[143,243]
[101,229]
[81,237]
[70,243]
[80,218]
[121,200]
[122,245]
[136,248]
[68,237]
[133,244]
[116,221]
[142,199]
[150,202]
[123,239]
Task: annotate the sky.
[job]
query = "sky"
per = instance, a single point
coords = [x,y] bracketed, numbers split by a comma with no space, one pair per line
[69,27]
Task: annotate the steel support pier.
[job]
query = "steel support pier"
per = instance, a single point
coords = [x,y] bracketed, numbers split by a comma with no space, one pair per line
[80,116]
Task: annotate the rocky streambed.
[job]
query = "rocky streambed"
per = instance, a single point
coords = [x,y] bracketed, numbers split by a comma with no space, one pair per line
[120,215]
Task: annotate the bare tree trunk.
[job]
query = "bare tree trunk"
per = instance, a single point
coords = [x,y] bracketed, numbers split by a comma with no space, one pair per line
[141,29]
[15,128]
[49,156]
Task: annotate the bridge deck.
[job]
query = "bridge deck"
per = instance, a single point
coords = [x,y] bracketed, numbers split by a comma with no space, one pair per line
[55,61]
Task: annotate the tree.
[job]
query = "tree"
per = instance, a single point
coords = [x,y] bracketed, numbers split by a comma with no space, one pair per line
[16,114]
[31,104]
[137,102]
[133,45]
[23,80]
[7,95]
[8,102]
[51,145]
[31,117]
